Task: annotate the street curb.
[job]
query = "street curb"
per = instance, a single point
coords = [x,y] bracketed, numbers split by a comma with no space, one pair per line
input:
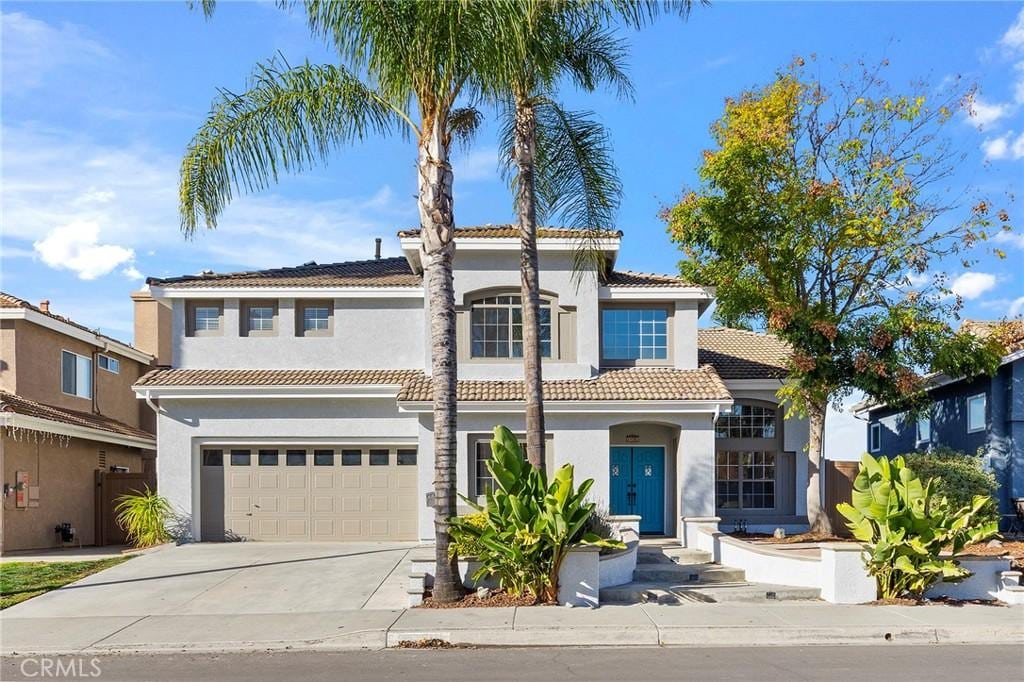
[588,637]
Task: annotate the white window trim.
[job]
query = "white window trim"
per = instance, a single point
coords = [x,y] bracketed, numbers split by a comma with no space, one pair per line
[101,357]
[91,370]
[545,302]
[917,428]
[984,409]
[873,431]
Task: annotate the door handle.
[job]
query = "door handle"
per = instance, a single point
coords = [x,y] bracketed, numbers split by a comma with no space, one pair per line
[631,499]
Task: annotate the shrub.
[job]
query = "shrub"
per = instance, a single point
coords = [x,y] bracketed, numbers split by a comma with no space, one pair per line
[465,545]
[144,517]
[958,476]
[530,524]
[906,525]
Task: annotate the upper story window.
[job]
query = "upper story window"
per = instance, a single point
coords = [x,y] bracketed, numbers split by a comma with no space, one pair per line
[634,335]
[496,327]
[259,318]
[205,318]
[976,413]
[875,437]
[112,365]
[746,421]
[75,374]
[314,318]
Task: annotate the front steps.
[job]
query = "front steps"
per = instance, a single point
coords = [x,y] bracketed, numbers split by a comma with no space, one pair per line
[668,574]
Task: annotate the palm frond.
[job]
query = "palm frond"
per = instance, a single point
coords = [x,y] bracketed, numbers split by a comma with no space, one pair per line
[287,119]
[463,124]
[576,180]
[594,56]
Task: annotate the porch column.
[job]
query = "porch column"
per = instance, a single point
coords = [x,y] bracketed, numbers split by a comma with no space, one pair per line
[695,477]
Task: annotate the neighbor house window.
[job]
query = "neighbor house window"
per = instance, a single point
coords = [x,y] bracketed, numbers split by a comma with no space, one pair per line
[875,437]
[924,428]
[496,327]
[746,421]
[631,334]
[745,480]
[75,374]
[204,318]
[110,364]
[976,413]
[260,318]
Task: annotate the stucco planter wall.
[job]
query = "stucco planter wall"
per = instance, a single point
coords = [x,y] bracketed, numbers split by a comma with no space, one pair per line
[617,568]
[986,582]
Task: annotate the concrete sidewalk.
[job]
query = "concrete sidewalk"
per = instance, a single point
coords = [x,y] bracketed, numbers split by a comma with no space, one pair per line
[703,625]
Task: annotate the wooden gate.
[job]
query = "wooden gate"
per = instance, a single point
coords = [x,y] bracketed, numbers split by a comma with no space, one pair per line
[109,487]
[839,488]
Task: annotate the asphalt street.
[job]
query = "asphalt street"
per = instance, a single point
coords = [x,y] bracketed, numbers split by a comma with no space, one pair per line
[933,663]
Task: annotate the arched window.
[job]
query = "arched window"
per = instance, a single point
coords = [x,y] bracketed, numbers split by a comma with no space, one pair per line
[496,327]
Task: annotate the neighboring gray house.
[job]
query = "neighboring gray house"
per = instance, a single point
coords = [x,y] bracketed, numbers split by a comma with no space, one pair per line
[981,414]
[298,406]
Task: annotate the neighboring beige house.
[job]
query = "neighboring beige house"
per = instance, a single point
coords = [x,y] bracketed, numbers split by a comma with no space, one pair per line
[66,411]
[297,404]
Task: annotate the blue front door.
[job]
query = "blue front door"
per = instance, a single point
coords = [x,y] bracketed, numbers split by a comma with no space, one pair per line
[637,485]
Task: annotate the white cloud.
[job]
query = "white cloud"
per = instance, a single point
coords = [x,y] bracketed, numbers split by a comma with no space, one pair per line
[76,247]
[1011,239]
[1013,39]
[1016,307]
[984,114]
[971,285]
[478,164]
[1004,147]
[33,49]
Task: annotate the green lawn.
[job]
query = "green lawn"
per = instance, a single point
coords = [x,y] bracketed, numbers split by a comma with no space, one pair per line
[21,580]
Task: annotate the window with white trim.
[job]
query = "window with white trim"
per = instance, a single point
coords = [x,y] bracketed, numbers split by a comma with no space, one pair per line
[316,318]
[483,481]
[875,437]
[976,413]
[746,421]
[631,334]
[206,318]
[924,428]
[112,365]
[496,327]
[261,318]
[745,480]
[75,374]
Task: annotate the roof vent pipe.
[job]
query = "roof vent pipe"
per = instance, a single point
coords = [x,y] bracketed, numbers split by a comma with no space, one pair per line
[376,250]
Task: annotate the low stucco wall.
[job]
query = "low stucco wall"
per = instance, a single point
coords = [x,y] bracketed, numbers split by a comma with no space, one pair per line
[64,469]
[985,583]
[617,568]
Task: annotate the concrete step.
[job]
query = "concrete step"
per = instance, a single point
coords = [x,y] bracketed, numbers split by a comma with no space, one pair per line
[671,555]
[662,593]
[683,574]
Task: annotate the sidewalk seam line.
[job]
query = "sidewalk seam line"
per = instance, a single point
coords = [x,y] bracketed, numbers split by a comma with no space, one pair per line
[119,630]
[384,579]
[657,628]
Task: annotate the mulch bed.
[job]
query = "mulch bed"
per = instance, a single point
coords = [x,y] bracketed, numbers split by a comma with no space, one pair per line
[431,644]
[1015,548]
[765,538]
[939,601]
[498,599]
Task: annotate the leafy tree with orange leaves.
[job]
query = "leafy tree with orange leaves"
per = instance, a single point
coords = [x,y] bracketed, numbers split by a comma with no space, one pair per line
[822,216]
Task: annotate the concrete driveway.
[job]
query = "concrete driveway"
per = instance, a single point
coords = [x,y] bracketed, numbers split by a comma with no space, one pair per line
[236,579]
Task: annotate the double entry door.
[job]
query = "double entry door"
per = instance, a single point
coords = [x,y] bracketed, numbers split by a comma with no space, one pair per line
[637,477]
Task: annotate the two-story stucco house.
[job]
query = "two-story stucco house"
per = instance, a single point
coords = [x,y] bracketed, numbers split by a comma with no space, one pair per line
[298,405]
[66,411]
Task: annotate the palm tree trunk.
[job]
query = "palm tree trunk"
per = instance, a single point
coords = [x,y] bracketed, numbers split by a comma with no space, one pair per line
[437,223]
[526,207]
[816,516]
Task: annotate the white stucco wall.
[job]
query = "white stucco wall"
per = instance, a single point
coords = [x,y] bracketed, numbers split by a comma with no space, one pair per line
[367,334]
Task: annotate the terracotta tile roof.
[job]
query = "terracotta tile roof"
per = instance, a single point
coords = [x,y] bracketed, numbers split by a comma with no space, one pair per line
[1011,332]
[498,231]
[613,384]
[740,354]
[11,403]
[381,272]
[628,278]
[11,301]
[277,377]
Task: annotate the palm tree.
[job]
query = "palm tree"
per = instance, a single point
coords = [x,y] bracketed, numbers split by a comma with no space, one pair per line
[559,161]
[420,58]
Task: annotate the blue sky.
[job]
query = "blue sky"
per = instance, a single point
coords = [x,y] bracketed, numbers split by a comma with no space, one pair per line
[100,99]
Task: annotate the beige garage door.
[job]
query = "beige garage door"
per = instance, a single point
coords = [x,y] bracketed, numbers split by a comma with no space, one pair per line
[297,493]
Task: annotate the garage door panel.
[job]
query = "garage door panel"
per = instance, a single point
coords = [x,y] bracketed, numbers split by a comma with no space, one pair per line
[329,501]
